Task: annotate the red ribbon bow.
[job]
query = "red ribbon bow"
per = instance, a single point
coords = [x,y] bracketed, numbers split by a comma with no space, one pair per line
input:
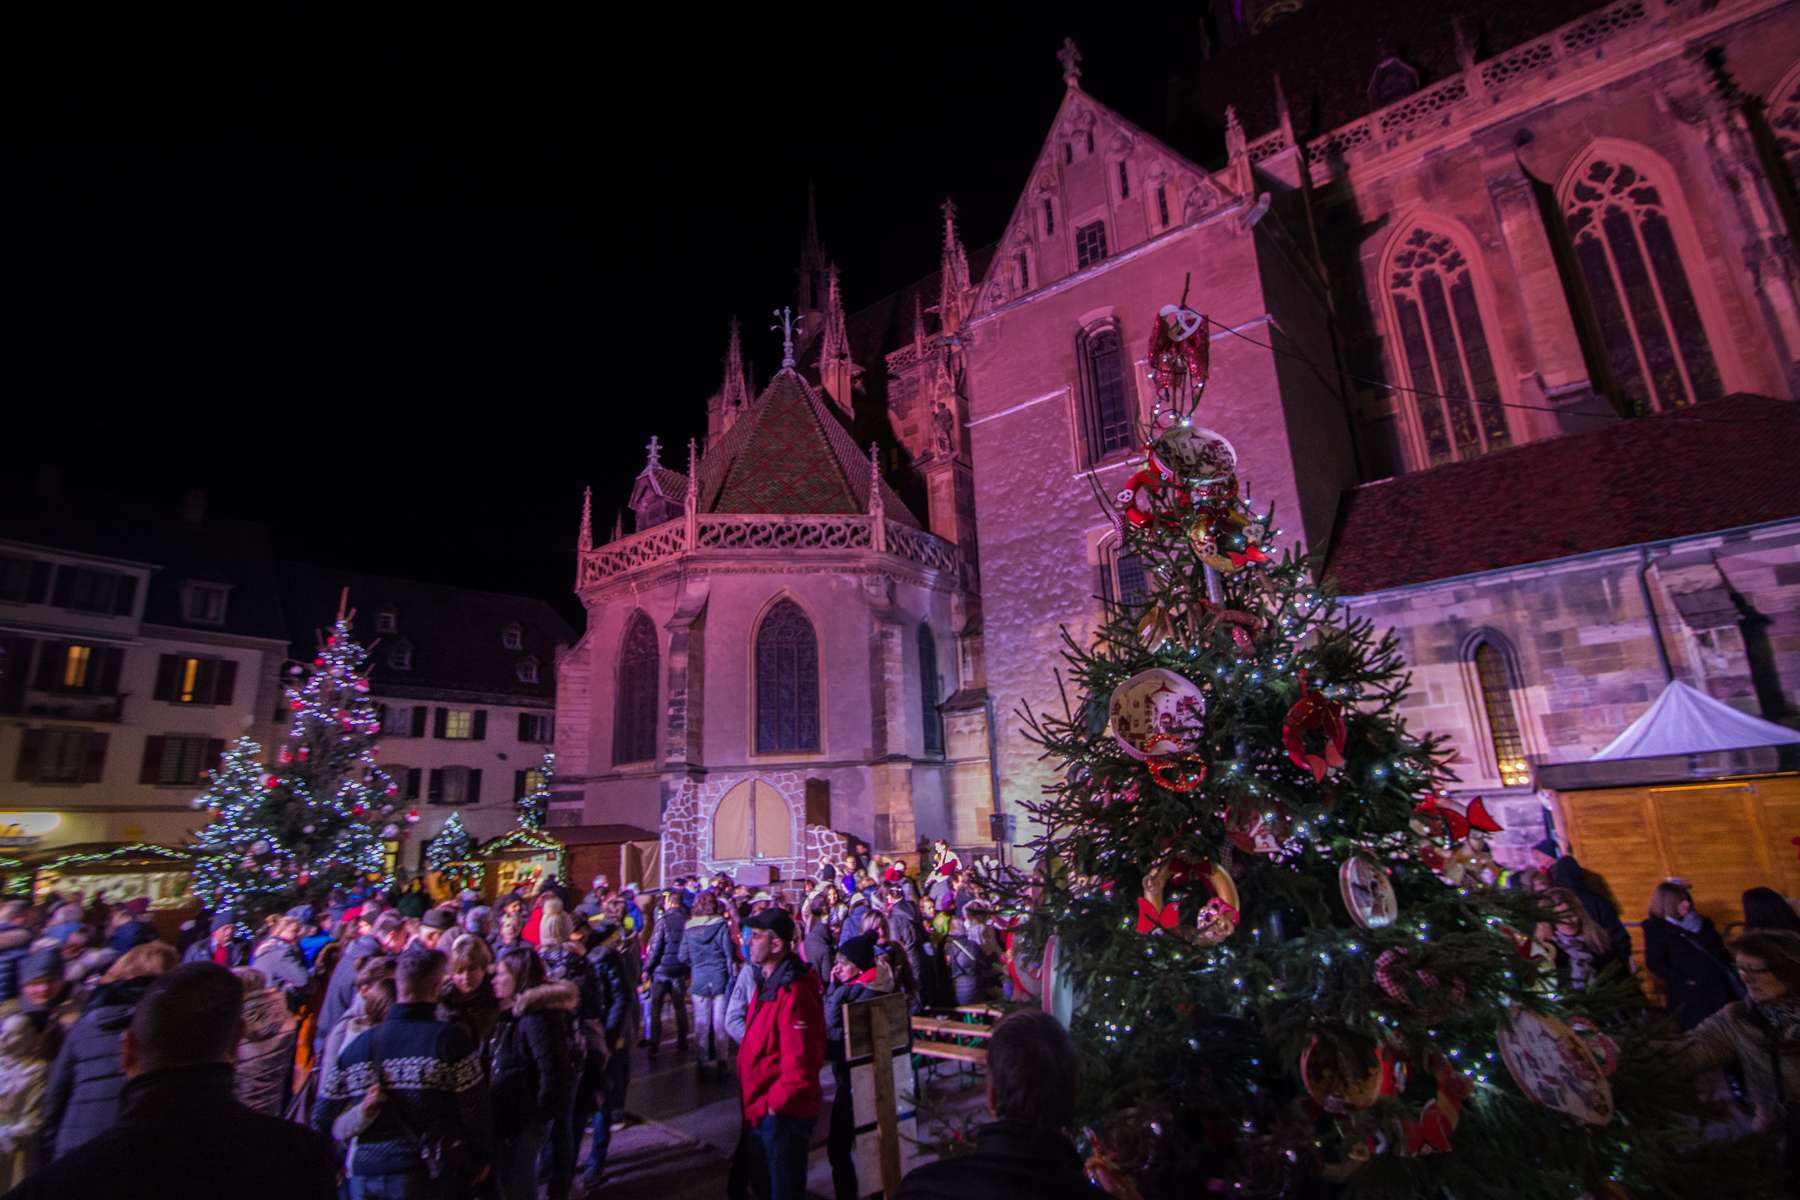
[1249,554]
[1151,918]
[1458,824]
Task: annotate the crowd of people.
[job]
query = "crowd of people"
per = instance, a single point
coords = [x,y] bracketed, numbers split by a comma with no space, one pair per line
[405,1045]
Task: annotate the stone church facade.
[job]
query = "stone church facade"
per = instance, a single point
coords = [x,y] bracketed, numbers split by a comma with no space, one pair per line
[1507,329]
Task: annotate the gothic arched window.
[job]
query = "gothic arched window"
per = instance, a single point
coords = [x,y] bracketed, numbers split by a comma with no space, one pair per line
[752,822]
[929,692]
[1784,122]
[1442,344]
[1494,676]
[1621,218]
[1105,406]
[787,682]
[634,703]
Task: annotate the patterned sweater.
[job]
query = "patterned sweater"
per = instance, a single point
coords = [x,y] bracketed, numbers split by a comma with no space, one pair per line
[431,1074]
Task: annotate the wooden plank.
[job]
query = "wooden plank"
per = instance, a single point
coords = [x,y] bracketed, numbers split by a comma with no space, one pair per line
[895,1029]
[982,1010]
[974,1054]
[866,1151]
[886,1122]
[944,1028]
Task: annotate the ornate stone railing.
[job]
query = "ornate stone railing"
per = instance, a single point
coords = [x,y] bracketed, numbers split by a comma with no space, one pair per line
[787,535]
[1474,90]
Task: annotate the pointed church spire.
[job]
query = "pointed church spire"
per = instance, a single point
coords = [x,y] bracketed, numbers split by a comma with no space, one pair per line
[654,451]
[812,261]
[835,368]
[734,393]
[691,501]
[918,327]
[876,507]
[586,540]
[953,273]
[789,325]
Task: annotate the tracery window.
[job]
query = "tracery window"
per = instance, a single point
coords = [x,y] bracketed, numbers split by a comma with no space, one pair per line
[1495,678]
[1648,323]
[929,692]
[787,682]
[1105,411]
[1443,348]
[634,701]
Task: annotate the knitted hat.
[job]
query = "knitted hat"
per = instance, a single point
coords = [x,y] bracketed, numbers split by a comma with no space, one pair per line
[223,919]
[859,950]
[438,918]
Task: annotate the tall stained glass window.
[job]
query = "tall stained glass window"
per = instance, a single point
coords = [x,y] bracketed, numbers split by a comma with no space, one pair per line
[787,682]
[634,705]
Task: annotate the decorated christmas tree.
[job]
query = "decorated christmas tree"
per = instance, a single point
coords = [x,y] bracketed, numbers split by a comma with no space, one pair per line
[452,844]
[318,816]
[534,805]
[1283,949]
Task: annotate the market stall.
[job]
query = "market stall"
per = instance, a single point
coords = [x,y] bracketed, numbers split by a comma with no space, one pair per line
[523,856]
[118,873]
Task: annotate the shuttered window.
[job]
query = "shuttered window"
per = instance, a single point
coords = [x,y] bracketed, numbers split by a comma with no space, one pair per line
[61,756]
[179,760]
[183,679]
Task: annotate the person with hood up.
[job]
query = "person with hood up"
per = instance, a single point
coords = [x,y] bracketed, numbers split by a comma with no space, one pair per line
[43,992]
[856,974]
[86,1077]
[265,1058]
[783,1049]
[23,1067]
[1564,872]
[1766,908]
[530,1065]
[668,973]
[706,951]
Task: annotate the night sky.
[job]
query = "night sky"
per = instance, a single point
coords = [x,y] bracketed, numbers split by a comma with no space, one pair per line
[401,286]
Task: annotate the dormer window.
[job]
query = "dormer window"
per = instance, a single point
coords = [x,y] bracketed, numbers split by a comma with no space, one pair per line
[527,670]
[204,603]
[400,655]
[513,637]
[387,621]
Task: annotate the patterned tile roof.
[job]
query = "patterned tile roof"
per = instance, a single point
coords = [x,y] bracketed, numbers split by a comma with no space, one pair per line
[672,484]
[791,453]
[1715,466]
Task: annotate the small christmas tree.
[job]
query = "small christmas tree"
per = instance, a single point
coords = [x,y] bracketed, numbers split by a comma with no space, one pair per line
[534,805]
[319,816]
[452,844]
[1292,974]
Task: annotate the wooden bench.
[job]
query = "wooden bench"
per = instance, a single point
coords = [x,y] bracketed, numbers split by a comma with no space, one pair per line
[944,1027]
[976,1055]
[989,1011]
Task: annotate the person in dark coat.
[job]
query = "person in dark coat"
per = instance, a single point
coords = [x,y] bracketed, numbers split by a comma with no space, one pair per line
[906,933]
[706,950]
[1685,952]
[668,974]
[616,1013]
[15,942]
[178,1053]
[386,935]
[1023,1154]
[819,946]
[531,1061]
[279,959]
[564,962]
[81,1094]
[130,929]
[1766,908]
[221,946]
[974,968]
[1564,872]
[856,974]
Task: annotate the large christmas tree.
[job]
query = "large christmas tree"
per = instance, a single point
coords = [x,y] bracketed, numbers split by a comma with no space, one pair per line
[1293,974]
[318,816]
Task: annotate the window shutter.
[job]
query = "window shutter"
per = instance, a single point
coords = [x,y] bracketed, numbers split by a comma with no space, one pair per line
[50,661]
[518,785]
[418,720]
[524,727]
[225,682]
[437,783]
[29,746]
[40,582]
[150,772]
[111,659]
[438,727]
[168,667]
[95,765]
[412,782]
[215,749]
[480,724]
[474,796]
[125,596]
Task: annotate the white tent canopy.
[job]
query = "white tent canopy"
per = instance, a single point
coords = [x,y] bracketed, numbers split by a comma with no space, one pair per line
[1685,720]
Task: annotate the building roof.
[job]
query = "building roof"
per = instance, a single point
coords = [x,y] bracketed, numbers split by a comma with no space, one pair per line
[1685,720]
[1715,466]
[791,453]
[672,484]
[455,633]
[589,835]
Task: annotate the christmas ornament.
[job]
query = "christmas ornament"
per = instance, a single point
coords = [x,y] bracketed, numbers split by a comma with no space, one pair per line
[1313,732]
[1179,773]
[1604,1049]
[259,846]
[1253,832]
[1180,350]
[1415,989]
[1341,1072]
[1430,1134]
[1368,895]
[1193,454]
[1553,1066]
[1148,497]
[1218,916]
[1437,816]
[1156,702]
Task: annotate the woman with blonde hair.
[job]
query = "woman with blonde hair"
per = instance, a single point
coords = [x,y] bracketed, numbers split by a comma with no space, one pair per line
[81,1094]
[1687,955]
[1583,949]
[468,996]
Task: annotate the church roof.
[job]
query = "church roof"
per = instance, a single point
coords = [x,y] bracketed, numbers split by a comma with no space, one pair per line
[672,484]
[791,453]
[1714,466]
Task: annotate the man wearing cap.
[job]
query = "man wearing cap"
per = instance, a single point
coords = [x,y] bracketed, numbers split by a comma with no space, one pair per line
[432,927]
[783,1049]
[221,946]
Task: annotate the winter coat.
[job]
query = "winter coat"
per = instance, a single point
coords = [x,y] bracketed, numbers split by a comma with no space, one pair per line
[281,964]
[665,960]
[533,1060]
[854,923]
[477,1011]
[820,947]
[706,952]
[21,1115]
[1695,969]
[237,954]
[131,934]
[412,903]
[973,972]
[1757,1036]
[616,993]
[15,943]
[265,1058]
[878,980]
[151,1153]
[737,1003]
[904,932]
[1011,1161]
[783,1044]
[81,1094]
[431,1074]
[1567,873]
[342,988]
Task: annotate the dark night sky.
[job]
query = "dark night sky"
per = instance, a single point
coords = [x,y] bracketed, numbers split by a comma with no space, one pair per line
[402,285]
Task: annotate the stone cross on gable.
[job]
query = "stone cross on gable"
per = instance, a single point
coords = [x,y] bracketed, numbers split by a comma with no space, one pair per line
[655,449]
[789,326]
[1070,58]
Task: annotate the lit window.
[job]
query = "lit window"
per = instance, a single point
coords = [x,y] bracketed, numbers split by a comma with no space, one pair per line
[1106,413]
[190,676]
[400,655]
[533,781]
[75,667]
[1647,320]
[204,603]
[1090,243]
[459,723]
[1503,721]
[1124,182]
[387,621]
[1049,217]
[1444,349]
[1162,204]
[527,670]
[512,637]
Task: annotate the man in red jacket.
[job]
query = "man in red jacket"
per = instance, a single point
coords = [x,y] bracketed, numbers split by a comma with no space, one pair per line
[782,1052]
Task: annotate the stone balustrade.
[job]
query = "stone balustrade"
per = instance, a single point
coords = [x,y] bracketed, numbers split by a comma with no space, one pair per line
[785,535]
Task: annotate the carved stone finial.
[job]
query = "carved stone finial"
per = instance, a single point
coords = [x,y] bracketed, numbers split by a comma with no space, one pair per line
[1235,144]
[1070,57]
[655,452]
[789,325]
[735,391]
[875,502]
[692,500]
[586,540]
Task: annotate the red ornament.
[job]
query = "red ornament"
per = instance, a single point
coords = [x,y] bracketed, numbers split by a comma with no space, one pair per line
[1315,715]
[1456,825]
[1181,773]
[1180,349]
[269,781]
[319,661]
[392,790]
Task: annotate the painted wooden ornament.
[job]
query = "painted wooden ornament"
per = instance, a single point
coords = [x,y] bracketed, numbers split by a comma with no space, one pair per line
[1156,704]
[1313,732]
[1337,1076]
[1194,454]
[1553,1065]
[1218,916]
[1368,895]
